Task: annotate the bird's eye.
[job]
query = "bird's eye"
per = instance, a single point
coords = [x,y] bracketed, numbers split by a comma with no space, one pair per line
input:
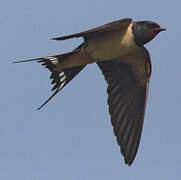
[151,25]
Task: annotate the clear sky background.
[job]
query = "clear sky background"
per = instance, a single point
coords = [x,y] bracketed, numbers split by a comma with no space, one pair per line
[71,138]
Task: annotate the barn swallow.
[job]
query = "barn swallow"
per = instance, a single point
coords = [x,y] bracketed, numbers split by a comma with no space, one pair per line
[118,49]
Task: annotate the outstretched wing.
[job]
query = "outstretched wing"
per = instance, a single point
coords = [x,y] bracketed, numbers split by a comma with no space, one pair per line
[115,25]
[127,93]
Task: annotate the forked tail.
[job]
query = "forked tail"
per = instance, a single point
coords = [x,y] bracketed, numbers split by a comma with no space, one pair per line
[59,78]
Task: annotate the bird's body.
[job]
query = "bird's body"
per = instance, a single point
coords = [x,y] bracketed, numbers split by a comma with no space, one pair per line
[105,46]
[118,50]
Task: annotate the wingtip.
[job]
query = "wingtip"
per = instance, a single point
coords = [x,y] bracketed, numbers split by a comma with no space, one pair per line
[129,163]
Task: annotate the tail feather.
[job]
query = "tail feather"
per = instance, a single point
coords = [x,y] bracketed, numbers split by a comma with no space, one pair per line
[59,78]
[51,59]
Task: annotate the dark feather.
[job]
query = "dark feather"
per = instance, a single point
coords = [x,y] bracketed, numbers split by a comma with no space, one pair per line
[59,78]
[115,25]
[69,74]
[126,99]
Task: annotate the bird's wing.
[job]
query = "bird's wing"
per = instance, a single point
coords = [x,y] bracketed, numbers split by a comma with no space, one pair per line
[115,25]
[128,81]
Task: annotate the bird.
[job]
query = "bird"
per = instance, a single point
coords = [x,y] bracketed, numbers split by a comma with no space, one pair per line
[118,50]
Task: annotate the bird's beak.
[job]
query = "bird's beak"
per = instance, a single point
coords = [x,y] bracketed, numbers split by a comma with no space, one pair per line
[160,29]
[152,33]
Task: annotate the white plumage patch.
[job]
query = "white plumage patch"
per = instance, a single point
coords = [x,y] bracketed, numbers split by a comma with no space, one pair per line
[62,85]
[63,78]
[62,74]
[53,59]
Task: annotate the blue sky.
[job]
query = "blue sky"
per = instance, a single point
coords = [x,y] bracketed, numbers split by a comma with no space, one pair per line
[71,138]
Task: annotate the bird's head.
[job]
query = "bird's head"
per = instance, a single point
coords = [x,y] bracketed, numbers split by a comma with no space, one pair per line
[145,31]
